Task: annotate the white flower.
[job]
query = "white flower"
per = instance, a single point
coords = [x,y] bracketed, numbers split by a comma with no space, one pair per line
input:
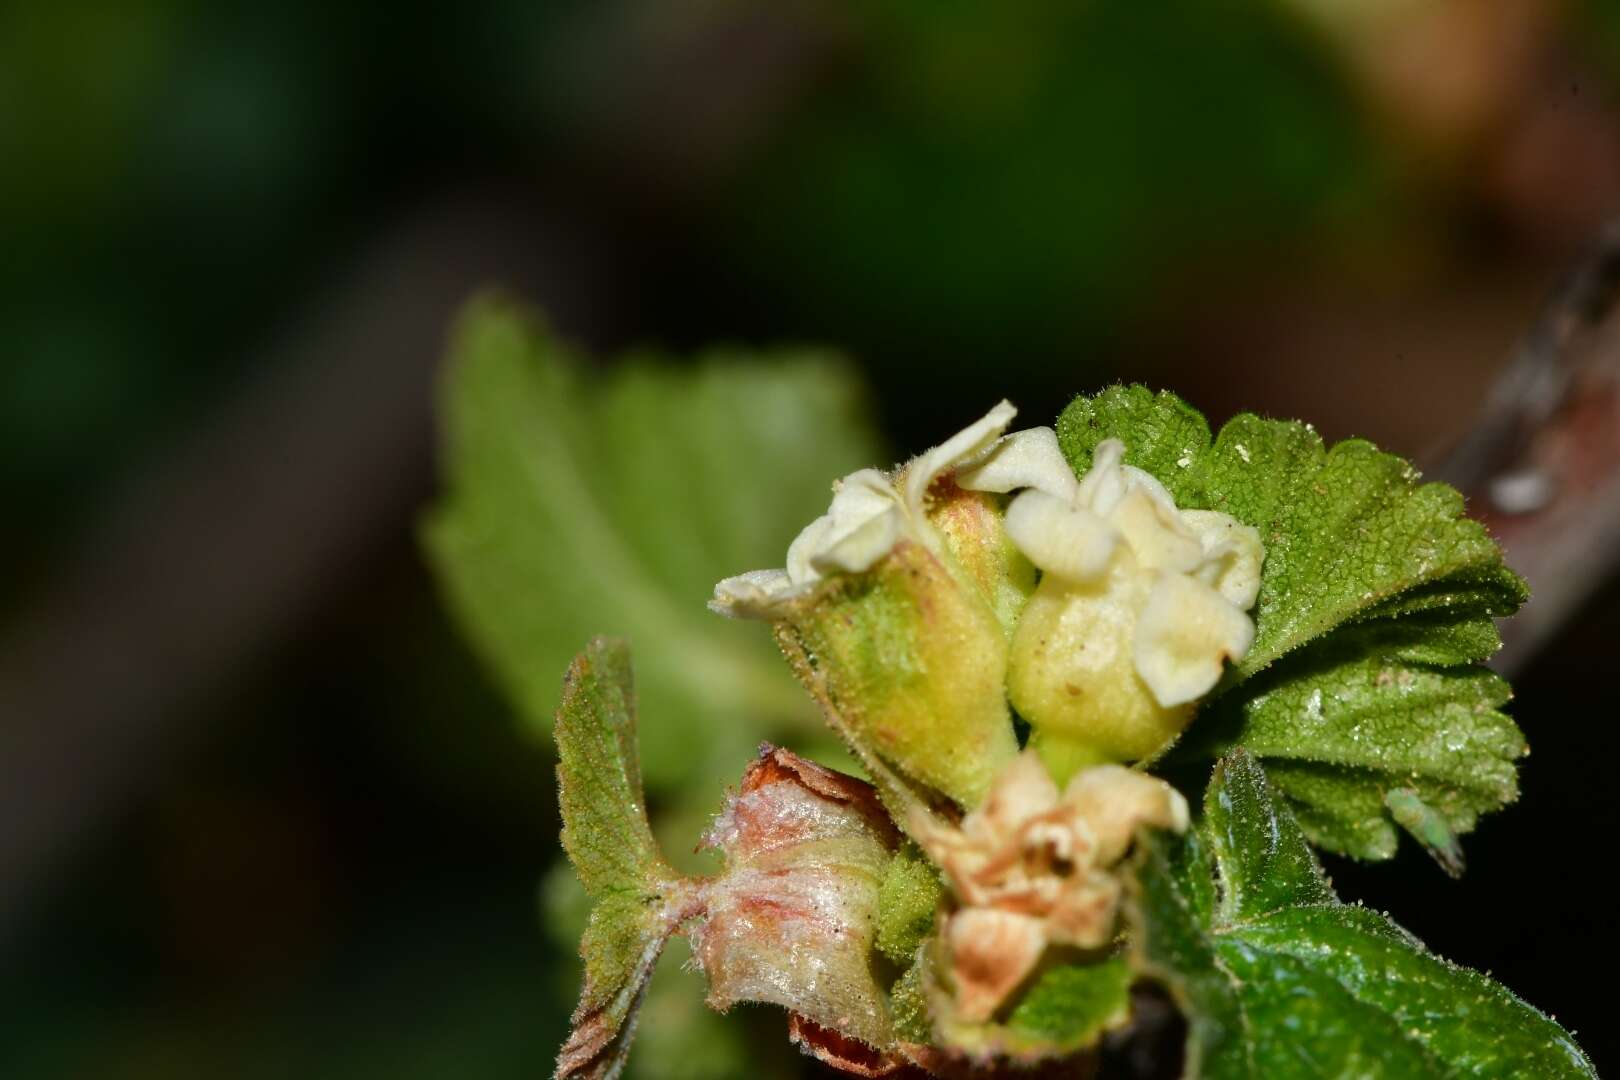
[1201,568]
[870,513]
[1139,605]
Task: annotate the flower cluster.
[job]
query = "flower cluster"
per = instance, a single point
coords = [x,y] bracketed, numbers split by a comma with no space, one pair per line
[985,572]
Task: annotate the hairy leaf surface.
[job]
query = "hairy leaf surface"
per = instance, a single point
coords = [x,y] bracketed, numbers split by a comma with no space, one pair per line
[1375,608]
[638,900]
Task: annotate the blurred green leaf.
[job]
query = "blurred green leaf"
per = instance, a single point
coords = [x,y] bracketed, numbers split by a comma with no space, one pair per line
[1279,978]
[579,503]
[1375,607]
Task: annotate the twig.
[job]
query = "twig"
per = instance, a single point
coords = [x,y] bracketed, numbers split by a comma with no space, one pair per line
[1541,465]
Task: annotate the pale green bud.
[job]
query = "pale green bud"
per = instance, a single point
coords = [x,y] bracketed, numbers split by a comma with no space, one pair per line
[897,605]
[913,665]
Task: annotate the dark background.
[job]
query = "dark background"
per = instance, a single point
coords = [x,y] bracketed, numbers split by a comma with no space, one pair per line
[260,812]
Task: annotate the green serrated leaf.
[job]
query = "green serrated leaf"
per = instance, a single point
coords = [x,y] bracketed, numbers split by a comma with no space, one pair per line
[1375,608]
[578,503]
[605,829]
[1346,529]
[1279,978]
[1369,723]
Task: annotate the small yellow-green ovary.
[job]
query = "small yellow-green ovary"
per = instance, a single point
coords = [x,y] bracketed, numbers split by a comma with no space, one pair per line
[1073,673]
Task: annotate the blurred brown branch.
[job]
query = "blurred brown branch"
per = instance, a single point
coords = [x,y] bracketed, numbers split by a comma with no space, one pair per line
[1541,463]
[247,530]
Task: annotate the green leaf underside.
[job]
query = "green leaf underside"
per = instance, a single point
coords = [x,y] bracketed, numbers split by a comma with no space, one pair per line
[579,504]
[1376,605]
[1344,726]
[1279,978]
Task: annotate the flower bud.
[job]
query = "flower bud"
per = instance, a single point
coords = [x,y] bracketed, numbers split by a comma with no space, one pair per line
[913,664]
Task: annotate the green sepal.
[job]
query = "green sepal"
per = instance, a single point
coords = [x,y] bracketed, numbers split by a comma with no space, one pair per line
[907,903]
[908,664]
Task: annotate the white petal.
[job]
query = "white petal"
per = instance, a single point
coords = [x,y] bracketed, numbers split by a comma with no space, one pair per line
[863,494]
[1024,459]
[753,595]
[1105,483]
[1185,632]
[1152,525]
[858,549]
[970,441]
[1116,801]
[858,500]
[1233,555]
[1061,538]
[1022,790]
[811,540]
[991,952]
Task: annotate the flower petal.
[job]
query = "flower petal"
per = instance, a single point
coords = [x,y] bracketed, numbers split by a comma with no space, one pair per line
[1185,632]
[858,499]
[1152,526]
[1115,802]
[1233,555]
[751,595]
[1025,459]
[1086,913]
[1061,538]
[991,952]
[857,550]
[1105,483]
[1024,789]
[965,444]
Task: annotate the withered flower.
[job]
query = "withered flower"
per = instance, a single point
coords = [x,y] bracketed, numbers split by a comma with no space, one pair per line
[791,919]
[1034,867]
